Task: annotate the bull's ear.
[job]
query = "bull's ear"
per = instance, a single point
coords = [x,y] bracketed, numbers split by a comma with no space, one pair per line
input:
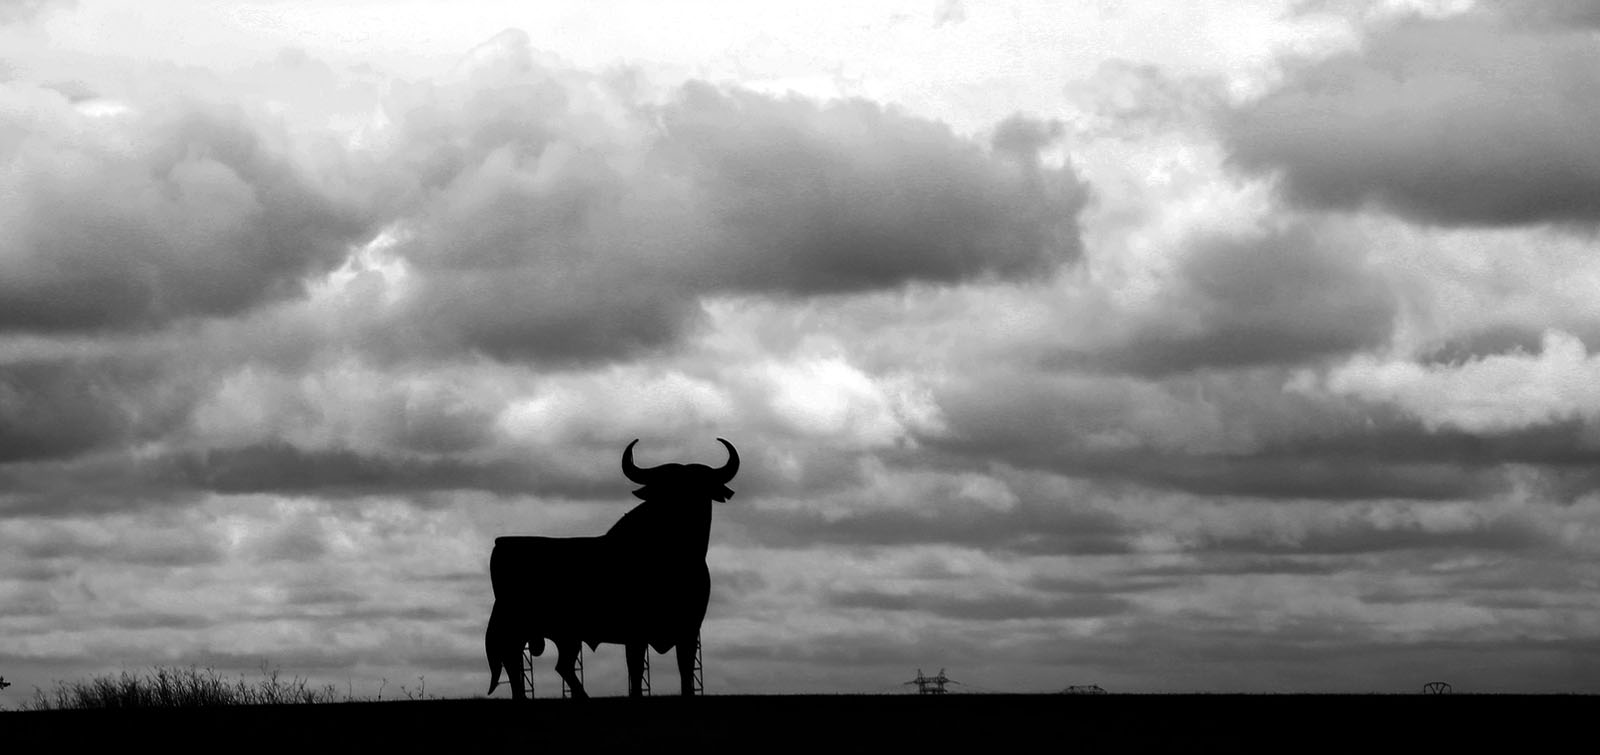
[721,494]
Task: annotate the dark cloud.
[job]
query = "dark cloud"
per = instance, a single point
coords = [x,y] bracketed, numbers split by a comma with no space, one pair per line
[1036,530]
[1472,346]
[141,621]
[173,210]
[1229,564]
[32,601]
[301,540]
[126,479]
[915,498]
[1364,535]
[96,484]
[1241,433]
[155,546]
[730,587]
[322,594]
[282,467]
[984,607]
[1386,436]
[59,408]
[1031,528]
[75,91]
[554,215]
[122,477]
[851,196]
[1024,137]
[856,648]
[1580,14]
[1222,435]
[1290,296]
[1132,582]
[1463,121]
[1287,478]
[39,571]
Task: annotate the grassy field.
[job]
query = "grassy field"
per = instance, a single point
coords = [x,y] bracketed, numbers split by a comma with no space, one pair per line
[180,687]
[842,723]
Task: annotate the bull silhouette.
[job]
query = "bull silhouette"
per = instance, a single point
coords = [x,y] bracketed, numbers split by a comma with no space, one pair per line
[642,584]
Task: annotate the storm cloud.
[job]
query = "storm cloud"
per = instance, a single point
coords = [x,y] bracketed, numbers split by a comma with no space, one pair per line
[1295,294]
[1468,120]
[566,216]
[133,218]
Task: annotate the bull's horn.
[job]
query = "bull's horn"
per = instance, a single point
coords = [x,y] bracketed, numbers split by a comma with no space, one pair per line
[631,471]
[732,467]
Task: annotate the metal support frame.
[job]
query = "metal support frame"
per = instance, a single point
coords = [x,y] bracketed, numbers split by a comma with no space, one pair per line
[699,669]
[577,668]
[698,672]
[644,678]
[527,669]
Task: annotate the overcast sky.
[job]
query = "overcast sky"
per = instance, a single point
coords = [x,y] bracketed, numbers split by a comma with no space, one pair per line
[1238,346]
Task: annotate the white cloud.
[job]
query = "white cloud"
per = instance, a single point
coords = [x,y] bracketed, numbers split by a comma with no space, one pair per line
[1493,394]
[615,405]
[826,398]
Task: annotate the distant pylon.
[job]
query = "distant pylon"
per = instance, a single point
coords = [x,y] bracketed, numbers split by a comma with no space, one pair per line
[1084,689]
[931,685]
[1436,688]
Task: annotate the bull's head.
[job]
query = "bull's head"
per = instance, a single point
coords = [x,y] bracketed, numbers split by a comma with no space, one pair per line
[695,480]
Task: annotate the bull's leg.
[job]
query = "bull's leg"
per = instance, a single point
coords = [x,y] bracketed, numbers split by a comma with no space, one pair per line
[567,666]
[686,654]
[635,651]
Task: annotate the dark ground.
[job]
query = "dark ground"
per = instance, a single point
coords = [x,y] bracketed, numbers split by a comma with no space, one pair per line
[831,724]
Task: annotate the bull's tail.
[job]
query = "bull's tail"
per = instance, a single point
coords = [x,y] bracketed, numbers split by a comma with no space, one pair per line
[502,643]
[494,664]
[495,641]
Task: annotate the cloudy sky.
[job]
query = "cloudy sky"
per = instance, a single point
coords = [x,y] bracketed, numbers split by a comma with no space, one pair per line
[1166,346]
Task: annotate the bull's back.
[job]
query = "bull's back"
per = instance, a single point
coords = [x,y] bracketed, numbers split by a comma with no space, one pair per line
[598,588]
[519,563]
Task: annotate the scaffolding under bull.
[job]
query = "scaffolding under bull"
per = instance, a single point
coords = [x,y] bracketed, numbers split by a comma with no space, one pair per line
[699,680]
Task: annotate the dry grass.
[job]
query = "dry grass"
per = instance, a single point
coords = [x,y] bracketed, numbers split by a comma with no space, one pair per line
[179,688]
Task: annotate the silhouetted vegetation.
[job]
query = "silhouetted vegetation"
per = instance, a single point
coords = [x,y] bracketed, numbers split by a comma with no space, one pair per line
[179,688]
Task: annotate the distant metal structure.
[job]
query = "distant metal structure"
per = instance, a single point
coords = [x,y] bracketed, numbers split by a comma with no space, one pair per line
[1436,688]
[1084,689]
[4,683]
[931,685]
